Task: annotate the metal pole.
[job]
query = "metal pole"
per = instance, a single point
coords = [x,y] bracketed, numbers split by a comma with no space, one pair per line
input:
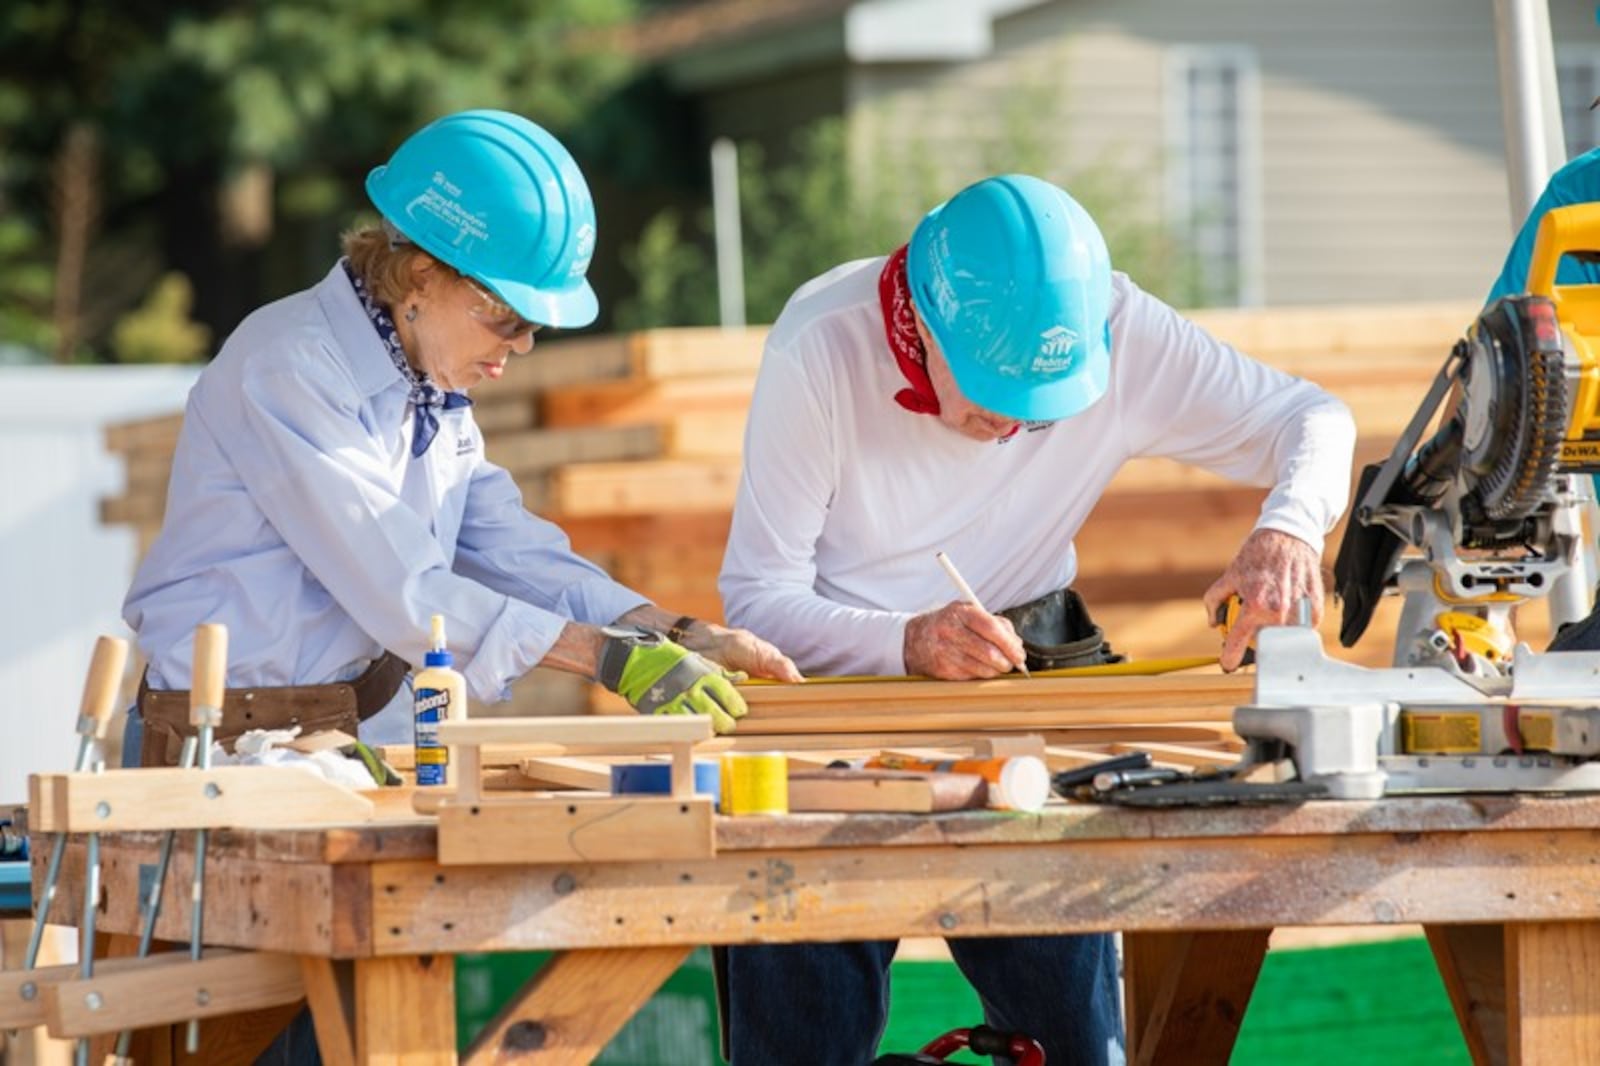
[1519,25]
[729,240]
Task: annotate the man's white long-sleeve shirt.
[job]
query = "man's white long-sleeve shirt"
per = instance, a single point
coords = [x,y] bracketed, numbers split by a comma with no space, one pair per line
[297,517]
[846,496]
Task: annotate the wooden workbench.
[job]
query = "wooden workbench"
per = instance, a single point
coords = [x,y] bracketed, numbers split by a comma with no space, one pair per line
[1507,888]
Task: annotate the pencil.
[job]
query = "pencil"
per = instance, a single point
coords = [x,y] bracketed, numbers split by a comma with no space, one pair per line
[968,595]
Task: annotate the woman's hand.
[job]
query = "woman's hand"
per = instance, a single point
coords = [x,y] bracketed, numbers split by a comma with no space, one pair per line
[740,650]
[737,650]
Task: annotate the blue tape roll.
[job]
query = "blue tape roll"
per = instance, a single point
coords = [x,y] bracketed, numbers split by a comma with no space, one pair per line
[655,778]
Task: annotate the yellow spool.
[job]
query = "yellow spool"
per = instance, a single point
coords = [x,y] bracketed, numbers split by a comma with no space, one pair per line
[755,782]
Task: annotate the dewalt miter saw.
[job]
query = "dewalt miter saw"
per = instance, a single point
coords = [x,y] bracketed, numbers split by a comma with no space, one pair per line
[1489,504]
[1489,499]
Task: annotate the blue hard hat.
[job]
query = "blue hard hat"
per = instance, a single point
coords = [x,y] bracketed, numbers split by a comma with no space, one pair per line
[500,200]
[1012,278]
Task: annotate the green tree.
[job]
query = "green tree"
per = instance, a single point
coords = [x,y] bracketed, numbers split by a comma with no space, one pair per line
[824,206]
[230,137]
[160,330]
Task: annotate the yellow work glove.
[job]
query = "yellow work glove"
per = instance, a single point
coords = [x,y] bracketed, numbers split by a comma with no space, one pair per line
[657,676]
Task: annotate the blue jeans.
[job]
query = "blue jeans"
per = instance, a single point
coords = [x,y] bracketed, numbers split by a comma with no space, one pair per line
[297,1044]
[826,1004]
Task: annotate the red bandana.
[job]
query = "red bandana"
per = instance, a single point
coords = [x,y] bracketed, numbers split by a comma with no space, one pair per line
[900,326]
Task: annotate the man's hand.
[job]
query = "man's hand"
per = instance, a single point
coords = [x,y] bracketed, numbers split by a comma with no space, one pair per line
[660,677]
[960,642]
[1271,574]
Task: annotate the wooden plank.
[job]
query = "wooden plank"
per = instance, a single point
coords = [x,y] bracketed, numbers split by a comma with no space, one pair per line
[638,401]
[17,1011]
[330,991]
[633,533]
[154,434]
[1180,754]
[540,450]
[567,772]
[402,756]
[504,416]
[177,989]
[705,435]
[1552,991]
[574,1005]
[577,829]
[146,507]
[224,796]
[243,898]
[406,1010]
[1005,694]
[652,487]
[566,361]
[1472,964]
[639,733]
[25,1042]
[696,352]
[1295,338]
[884,790]
[868,890]
[238,1040]
[1188,992]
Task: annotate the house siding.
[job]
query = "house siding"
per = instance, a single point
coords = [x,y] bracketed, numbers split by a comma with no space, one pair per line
[1382,176]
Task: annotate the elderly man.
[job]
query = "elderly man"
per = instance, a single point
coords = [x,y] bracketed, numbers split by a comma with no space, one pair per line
[974,393]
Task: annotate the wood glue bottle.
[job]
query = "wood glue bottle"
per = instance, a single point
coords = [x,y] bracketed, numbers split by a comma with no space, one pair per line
[439,694]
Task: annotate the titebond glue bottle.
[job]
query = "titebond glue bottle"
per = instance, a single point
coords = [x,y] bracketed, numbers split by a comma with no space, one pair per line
[440,695]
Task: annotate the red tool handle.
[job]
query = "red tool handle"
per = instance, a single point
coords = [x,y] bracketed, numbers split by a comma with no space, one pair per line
[986,1041]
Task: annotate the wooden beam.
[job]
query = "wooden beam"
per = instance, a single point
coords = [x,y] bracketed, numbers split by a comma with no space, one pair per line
[568,1011]
[1472,964]
[881,886]
[330,991]
[696,352]
[566,772]
[1187,993]
[705,435]
[21,1008]
[403,756]
[1552,991]
[239,797]
[577,829]
[660,486]
[636,401]
[884,790]
[406,1011]
[174,991]
[638,733]
[544,449]
[1182,755]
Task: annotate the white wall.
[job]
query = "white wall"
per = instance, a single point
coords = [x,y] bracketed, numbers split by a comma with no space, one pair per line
[62,574]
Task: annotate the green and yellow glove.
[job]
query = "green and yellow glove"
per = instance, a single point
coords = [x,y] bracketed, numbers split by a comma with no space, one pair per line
[657,676]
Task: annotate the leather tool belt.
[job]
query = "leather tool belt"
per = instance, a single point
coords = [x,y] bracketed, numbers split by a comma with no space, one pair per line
[342,705]
[1058,633]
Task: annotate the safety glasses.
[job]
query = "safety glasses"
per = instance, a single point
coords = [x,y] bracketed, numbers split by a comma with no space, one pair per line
[494,315]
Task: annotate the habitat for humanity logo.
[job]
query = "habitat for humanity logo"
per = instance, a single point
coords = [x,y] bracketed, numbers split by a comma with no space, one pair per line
[1055,350]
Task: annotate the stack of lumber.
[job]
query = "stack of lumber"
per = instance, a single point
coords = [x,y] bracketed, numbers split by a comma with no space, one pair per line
[631,443]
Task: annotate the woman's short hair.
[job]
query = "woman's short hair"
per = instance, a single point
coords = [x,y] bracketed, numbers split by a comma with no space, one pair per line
[383,266]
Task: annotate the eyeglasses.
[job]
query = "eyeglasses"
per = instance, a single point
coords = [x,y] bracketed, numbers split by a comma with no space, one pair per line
[494,314]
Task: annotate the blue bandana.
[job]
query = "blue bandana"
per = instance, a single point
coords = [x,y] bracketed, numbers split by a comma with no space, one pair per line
[426,398]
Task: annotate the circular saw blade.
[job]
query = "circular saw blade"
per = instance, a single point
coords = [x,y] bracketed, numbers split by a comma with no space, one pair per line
[1515,407]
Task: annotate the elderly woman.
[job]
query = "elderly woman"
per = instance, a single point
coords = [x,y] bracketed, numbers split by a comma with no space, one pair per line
[330,491]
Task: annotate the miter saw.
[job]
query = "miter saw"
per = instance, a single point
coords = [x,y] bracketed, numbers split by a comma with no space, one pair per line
[1492,504]
[1490,499]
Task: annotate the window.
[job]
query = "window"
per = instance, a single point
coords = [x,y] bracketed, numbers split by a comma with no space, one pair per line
[1578,83]
[1213,170]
